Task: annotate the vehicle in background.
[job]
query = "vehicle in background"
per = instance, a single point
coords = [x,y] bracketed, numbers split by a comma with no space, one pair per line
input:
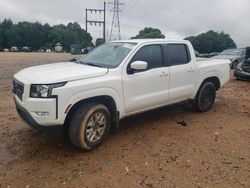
[213,54]
[26,49]
[14,49]
[236,56]
[203,55]
[210,55]
[75,49]
[87,50]
[242,70]
[6,50]
[58,47]
[48,51]
[41,50]
[116,80]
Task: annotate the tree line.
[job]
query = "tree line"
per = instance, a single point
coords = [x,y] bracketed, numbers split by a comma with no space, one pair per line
[37,35]
[212,41]
[208,42]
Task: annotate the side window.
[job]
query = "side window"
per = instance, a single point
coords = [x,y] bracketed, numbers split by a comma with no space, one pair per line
[178,54]
[151,54]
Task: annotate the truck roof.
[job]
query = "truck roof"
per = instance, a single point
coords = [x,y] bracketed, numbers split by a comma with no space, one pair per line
[142,41]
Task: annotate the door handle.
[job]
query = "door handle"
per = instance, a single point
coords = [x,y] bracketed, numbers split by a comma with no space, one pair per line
[191,70]
[164,74]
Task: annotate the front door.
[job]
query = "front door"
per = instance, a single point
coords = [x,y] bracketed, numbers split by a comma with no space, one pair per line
[149,88]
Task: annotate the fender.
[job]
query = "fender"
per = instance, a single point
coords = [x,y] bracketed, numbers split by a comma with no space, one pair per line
[205,75]
[103,91]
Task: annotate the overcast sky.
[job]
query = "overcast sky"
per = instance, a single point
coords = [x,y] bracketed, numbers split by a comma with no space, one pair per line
[176,18]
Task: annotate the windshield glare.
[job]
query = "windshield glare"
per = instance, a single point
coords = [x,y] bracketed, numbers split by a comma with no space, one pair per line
[109,55]
[235,52]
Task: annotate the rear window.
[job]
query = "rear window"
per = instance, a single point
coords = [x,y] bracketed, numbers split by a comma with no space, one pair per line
[178,54]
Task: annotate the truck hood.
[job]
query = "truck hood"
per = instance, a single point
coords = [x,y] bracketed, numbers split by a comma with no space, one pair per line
[60,72]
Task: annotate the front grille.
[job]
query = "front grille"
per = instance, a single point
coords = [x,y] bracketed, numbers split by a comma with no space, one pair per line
[18,89]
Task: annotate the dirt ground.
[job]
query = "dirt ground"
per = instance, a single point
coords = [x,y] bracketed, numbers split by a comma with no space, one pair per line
[149,150]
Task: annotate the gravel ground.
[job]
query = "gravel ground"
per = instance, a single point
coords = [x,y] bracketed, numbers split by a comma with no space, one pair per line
[149,150]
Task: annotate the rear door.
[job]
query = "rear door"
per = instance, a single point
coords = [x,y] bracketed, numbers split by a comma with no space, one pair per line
[182,72]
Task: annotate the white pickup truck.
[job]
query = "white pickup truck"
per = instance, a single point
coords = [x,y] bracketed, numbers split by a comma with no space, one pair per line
[116,80]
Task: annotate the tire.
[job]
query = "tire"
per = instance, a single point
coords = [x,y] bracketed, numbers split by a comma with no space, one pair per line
[89,126]
[205,97]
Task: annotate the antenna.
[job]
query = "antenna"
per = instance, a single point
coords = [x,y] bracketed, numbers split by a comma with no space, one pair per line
[115,33]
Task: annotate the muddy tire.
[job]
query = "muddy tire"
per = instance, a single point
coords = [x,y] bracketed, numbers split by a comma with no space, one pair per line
[89,126]
[205,97]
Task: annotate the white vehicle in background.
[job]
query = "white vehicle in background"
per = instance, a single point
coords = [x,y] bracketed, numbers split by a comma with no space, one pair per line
[58,47]
[114,81]
[41,50]
[48,51]
[14,49]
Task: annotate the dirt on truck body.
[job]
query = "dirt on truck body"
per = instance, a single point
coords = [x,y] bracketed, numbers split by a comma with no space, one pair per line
[169,147]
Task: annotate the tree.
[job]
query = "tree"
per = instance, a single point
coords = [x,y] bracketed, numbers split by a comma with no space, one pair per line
[74,26]
[149,33]
[99,41]
[37,35]
[5,27]
[1,37]
[211,41]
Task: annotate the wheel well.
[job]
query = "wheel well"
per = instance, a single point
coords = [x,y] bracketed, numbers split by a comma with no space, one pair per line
[214,80]
[105,100]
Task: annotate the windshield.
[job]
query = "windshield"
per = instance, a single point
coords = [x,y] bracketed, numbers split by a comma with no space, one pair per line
[234,52]
[109,55]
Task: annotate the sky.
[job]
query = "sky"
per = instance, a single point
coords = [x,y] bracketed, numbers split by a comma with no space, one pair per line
[177,19]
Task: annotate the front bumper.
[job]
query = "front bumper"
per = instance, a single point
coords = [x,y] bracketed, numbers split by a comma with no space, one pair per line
[241,74]
[26,117]
[29,112]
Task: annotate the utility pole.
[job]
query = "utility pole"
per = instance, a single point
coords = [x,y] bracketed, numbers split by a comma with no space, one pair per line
[115,33]
[100,22]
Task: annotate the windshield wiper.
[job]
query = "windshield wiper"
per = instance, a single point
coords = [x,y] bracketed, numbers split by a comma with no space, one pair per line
[92,64]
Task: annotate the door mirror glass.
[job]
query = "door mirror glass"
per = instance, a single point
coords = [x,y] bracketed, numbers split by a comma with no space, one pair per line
[139,65]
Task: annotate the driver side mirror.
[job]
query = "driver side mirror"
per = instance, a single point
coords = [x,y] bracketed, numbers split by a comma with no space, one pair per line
[137,66]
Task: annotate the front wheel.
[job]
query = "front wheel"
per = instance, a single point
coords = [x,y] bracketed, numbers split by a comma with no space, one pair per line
[205,97]
[89,126]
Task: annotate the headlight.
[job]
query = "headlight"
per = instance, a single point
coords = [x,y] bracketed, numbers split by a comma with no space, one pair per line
[44,90]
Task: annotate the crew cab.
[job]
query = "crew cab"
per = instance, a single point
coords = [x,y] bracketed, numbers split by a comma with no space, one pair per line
[116,80]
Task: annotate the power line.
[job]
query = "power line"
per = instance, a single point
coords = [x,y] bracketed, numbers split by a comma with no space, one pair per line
[115,32]
[97,22]
[130,6]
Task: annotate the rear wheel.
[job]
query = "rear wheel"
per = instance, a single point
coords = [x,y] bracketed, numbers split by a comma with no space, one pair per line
[205,97]
[89,126]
